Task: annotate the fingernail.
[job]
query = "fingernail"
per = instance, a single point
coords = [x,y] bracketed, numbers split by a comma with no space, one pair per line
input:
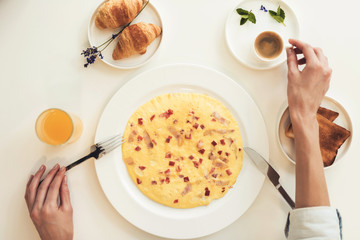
[56,166]
[62,169]
[42,167]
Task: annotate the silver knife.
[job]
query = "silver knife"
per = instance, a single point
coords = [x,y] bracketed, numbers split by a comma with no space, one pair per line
[270,172]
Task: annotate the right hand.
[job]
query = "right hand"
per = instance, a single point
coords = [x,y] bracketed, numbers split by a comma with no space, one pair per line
[306,88]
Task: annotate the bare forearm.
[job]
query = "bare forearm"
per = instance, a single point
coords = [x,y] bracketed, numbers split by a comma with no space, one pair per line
[311,189]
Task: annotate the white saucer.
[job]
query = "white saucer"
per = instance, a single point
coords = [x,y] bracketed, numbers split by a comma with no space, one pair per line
[98,36]
[287,145]
[240,39]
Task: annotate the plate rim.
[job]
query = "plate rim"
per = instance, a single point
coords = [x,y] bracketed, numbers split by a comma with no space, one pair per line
[139,64]
[270,66]
[265,148]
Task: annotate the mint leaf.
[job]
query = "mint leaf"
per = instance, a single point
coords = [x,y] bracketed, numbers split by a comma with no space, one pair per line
[243,21]
[282,13]
[272,13]
[252,18]
[278,19]
[279,16]
[241,11]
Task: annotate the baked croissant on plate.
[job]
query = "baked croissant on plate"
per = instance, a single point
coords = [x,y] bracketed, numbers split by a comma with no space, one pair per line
[135,39]
[116,13]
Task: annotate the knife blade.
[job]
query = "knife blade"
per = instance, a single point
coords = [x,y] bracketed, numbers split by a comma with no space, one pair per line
[270,172]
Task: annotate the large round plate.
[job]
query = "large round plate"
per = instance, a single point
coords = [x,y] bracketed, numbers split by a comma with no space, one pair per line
[158,219]
[240,39]
[99,36]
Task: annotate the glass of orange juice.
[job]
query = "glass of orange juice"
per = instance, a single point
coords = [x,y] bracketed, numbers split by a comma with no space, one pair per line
[55,127]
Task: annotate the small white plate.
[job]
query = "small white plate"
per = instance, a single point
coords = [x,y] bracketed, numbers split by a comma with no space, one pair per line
[240,39]
[98,36]
[287,145]
[156,218]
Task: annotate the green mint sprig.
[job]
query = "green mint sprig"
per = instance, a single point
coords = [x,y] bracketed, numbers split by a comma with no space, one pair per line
[279,15]
[245,16]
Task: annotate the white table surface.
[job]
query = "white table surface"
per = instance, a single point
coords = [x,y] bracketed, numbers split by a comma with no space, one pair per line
[41,67]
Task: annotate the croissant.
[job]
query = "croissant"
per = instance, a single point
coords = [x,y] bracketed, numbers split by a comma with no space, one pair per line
[116,13]
[135,39]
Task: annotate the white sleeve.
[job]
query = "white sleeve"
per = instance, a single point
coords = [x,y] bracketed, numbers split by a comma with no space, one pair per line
[314,223]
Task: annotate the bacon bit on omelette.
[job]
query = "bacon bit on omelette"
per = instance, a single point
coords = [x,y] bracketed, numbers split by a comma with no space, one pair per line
[212,170]
[181,176]
[154,182]
[188,136]
[214,120]
[175,121]
[207,192]
[222,141]
[202,126]
[167,114]
[139,138]
[214,143]
[218,117]
[142,168]
[152,117]
[162,180]
[140,121]
[171,163]
[178,168]
[191,157]
[228,172]
[219,152]
[138,181]
[196,164]
[167,180]
[168,139]
[176,200]
[167,172]
[200,160]
[196,125]
[186,179]
[227,154]
[137,148]
[223,189]
[239,149]
[168,155]
[154,142]
[196,118]
[201,151]
[214,175]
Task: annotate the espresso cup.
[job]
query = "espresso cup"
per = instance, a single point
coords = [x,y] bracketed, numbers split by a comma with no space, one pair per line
[268,46]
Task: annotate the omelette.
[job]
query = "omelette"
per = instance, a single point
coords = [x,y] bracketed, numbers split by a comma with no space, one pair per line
[183,150]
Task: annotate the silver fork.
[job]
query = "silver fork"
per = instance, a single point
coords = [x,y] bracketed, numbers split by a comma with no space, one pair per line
[100,149]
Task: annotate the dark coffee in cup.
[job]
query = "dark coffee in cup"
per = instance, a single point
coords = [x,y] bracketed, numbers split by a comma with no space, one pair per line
[268,45]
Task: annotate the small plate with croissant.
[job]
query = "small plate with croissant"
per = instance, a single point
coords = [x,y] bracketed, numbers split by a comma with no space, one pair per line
[137,43]
[335,129]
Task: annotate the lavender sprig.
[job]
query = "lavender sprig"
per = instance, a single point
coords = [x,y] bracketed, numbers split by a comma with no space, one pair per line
[92,53]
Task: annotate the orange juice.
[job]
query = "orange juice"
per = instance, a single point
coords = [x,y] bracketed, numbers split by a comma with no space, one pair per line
[55,127]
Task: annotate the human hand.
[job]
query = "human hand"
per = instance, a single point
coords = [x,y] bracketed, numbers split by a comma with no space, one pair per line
[306,88]
[53,221]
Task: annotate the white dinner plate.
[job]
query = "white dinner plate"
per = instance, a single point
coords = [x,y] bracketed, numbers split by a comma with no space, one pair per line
[287,145]
[99,36]
[145,213]
[240,39]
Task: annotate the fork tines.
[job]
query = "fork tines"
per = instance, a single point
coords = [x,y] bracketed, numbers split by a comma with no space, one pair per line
[111,143]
